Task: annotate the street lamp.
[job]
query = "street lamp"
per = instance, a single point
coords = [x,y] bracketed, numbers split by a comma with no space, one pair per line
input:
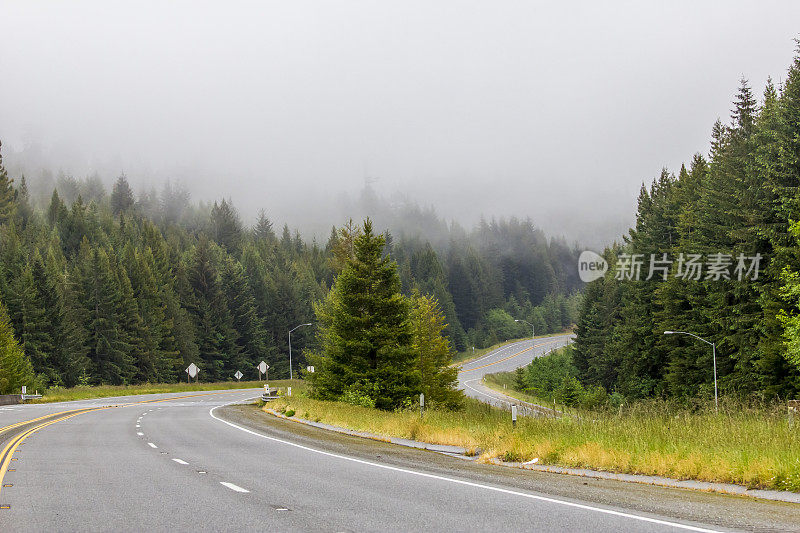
[714,353]
[290,346]
[533,332]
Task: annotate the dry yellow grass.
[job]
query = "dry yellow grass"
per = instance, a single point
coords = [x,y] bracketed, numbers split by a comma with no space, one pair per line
[752,447]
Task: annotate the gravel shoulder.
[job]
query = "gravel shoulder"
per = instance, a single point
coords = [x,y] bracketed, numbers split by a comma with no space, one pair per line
[718,510]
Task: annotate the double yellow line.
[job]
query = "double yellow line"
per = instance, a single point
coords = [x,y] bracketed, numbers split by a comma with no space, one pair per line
[511,356]
[7,454]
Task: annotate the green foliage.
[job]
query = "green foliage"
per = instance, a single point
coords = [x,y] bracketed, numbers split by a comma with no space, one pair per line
[118,288]
[359,394]
[16,369]
[364,331]
[438,380]
[741,200]
[8,196]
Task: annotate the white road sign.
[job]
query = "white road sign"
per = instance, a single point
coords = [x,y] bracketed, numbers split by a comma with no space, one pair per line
[192,370]
[263,367]
[238,375]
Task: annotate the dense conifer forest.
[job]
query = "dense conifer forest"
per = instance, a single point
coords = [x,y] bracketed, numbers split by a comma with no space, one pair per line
[712,219]
[102,285]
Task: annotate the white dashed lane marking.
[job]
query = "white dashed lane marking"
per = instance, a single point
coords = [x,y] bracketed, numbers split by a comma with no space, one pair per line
[233,487]
[180,461]
[152,445]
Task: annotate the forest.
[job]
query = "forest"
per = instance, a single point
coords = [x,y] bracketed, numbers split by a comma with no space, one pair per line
[739,201]
[102,285]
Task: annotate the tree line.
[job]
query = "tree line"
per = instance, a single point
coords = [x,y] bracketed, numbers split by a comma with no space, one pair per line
[112,287]
[734,208]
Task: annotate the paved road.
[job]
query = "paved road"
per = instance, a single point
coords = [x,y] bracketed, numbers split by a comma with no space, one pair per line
[188,462]
[506,358]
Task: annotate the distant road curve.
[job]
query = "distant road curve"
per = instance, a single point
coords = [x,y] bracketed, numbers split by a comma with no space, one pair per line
[504,359]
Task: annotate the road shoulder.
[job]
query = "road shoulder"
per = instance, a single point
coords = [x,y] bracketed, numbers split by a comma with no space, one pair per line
[674,503]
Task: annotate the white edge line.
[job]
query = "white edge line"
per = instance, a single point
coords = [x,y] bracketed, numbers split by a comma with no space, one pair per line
[500,351]
[231,486]
[179,461]
[140,433]
[459,481]
[466,384]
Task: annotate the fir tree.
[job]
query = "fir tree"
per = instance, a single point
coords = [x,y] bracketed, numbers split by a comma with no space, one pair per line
[121,196]
[8,195]
[438,380]
[365,333]
[15,368]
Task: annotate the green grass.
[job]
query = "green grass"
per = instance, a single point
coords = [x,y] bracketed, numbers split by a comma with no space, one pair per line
[104,391]
[497,381]
[754,446]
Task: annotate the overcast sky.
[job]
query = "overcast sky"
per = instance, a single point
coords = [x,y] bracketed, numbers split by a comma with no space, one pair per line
[554,110]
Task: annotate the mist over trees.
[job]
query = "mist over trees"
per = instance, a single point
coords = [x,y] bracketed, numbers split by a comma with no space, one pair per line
[109,286]
[742,199]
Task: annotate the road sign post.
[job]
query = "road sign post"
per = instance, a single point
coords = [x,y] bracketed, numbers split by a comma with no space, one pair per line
[421,404]
[191,372]
[514,415]
[262,369]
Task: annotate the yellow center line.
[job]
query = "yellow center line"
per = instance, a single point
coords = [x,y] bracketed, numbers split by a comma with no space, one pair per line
[12,426]
[511,356]
[11,447]
[8,451]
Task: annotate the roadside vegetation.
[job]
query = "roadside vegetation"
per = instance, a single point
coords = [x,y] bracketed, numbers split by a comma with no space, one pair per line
[378,347]
[751,445]
[85,392]
[553,380]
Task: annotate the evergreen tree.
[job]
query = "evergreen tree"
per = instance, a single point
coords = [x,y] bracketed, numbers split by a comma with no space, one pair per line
[364,331]
[15,368]
[227,227]
[214,333]
[121,196]
[252,338]
[438,380]
[8,195]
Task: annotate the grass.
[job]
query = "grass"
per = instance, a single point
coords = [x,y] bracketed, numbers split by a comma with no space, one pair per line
[754,446]
[503,382]
[104,391]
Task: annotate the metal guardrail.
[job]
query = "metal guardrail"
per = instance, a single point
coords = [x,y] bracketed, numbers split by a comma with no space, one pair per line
[269,394]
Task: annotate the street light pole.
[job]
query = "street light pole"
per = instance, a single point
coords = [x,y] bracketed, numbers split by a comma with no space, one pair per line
[290,347]
[714,354]
[533,331]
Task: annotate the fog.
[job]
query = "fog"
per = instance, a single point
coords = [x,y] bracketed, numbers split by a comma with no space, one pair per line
[553,111]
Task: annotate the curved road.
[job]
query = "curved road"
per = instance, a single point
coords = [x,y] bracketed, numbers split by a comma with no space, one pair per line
[189,462]
[506,358]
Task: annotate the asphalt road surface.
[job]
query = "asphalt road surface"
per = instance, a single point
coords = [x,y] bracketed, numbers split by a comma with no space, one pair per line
[189,462]
[506,358]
